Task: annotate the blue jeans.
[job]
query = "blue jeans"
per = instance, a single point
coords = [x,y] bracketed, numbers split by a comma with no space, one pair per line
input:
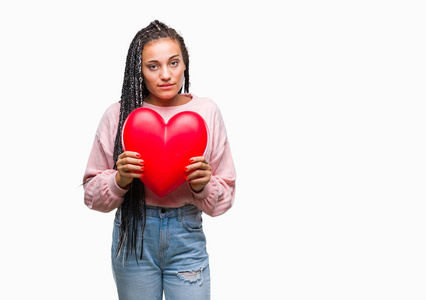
[175,258]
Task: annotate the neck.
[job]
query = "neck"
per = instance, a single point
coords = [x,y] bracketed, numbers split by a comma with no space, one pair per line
[177,100]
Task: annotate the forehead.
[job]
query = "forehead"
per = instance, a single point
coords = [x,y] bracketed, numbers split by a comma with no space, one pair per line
[164,47]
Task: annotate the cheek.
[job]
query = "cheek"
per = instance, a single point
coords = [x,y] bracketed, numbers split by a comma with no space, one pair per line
[182,75]
[149,80]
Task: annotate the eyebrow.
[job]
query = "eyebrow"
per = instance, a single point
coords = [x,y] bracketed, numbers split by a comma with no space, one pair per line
[171,57]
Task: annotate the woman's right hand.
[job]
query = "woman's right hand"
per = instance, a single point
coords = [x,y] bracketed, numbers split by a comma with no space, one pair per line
[129,166]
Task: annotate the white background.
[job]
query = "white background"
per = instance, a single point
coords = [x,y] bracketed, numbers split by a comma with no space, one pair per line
[324,106]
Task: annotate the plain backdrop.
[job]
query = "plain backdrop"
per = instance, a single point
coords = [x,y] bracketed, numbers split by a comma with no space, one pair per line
[324,107]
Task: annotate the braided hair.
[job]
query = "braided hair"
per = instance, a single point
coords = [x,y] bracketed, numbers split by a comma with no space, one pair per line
[133,208]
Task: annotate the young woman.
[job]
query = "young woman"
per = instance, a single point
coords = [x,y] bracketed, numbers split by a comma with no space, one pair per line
[158,243]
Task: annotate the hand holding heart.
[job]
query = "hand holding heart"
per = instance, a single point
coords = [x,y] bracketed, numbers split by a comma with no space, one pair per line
[130,166]
[200,173]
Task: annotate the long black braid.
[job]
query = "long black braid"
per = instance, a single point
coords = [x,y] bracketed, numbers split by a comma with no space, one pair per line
[133,208]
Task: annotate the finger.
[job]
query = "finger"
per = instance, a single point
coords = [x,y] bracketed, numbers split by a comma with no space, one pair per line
[197,166]
[130,167]
[130,161]
[198,175]
[135,174]
[129,154]
[198,159]
[198,183]
[132,174]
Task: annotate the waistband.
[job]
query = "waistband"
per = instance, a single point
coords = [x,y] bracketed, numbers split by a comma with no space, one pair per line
[168,212]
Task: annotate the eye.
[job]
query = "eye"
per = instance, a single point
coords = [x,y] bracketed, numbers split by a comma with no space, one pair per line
[152,67]
[174,63]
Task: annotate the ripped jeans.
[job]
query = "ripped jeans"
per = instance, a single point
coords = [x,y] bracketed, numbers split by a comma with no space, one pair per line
[175,259]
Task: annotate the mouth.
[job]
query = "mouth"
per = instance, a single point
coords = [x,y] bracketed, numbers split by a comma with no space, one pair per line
[166,86]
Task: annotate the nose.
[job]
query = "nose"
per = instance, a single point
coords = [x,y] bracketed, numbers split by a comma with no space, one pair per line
[165,74]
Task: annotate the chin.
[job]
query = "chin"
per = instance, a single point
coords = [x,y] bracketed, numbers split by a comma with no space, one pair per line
[167,95]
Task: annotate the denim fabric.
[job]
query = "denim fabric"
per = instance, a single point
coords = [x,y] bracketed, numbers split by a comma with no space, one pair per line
[175,258]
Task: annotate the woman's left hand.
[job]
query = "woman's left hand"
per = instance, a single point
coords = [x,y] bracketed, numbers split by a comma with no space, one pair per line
[199,173]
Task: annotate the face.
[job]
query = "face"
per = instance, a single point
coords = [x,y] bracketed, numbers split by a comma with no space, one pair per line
[162,69]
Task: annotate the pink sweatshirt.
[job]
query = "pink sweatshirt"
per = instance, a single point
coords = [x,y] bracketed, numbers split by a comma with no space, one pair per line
[103,194]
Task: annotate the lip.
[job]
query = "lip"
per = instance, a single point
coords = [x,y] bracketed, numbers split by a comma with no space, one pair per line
[166,86]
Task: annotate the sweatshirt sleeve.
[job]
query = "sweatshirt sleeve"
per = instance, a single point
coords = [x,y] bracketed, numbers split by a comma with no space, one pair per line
[218,195]
[101,191]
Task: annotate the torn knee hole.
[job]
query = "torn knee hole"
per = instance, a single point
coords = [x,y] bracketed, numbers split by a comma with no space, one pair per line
[191,276]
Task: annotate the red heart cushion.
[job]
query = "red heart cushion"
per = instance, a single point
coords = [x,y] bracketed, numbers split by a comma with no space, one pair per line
[165,147]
